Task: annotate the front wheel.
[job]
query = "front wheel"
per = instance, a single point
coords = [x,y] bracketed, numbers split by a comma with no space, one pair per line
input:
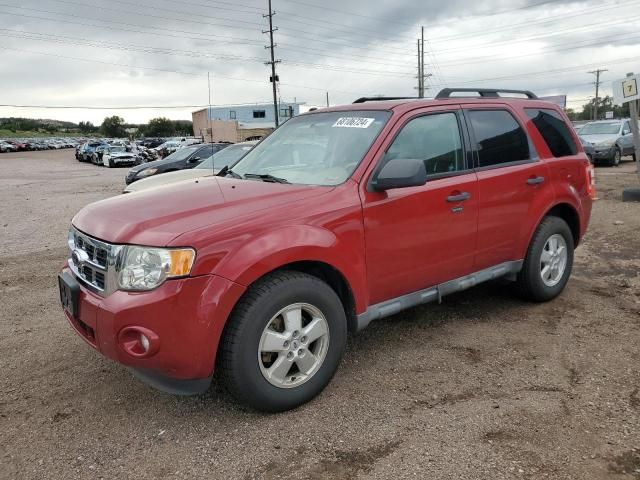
[617,157]
[549,261]
[283,341]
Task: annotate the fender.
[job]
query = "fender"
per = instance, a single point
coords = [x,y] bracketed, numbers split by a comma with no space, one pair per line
[276,248]
[565,200]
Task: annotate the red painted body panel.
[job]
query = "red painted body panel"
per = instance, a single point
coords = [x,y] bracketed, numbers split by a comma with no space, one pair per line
[188,316]
[384,244]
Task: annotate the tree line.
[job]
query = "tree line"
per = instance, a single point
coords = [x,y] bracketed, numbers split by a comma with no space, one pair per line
[605,104]
[113,126]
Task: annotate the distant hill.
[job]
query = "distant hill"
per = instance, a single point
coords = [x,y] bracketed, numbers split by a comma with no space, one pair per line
[16,124]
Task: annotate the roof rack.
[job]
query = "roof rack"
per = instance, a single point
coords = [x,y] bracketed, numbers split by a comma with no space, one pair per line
[381,99]
[483,92]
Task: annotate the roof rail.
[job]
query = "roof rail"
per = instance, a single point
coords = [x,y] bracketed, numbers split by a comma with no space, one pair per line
[381,99]
[483,92]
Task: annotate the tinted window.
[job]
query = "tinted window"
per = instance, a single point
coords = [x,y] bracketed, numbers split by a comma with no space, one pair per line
[500,137]
[554,131]
[435,139]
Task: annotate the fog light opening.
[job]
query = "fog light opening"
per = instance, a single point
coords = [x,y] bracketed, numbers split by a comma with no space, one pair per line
[144,343]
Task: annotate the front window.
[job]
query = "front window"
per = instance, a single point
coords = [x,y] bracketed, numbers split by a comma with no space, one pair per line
[315,149]
[226,157]
[600,128]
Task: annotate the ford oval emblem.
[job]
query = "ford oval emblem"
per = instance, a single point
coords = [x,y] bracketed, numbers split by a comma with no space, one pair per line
[79,257]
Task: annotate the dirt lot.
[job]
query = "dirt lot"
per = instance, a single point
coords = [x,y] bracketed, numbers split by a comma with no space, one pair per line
[483,386]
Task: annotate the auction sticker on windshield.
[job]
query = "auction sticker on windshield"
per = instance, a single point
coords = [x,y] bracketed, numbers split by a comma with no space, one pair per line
[353,122]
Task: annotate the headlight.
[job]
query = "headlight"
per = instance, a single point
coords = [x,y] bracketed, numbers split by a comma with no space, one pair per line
[145,268]
[147,172]
[607,143]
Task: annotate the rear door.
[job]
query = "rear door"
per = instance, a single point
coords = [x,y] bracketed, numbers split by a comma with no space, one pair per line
[418,237]
[510,177]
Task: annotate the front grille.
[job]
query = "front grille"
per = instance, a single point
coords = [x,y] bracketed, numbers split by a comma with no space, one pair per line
[93,268]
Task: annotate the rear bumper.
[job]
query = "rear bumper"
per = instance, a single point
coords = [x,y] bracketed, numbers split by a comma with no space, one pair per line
[186,315]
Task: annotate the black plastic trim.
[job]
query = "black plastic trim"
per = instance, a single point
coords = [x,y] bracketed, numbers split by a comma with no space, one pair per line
[170,385]
[382,99]
[435,293]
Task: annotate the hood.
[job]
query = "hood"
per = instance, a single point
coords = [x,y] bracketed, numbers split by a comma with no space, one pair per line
[156,216]
[167,178]
[595,139]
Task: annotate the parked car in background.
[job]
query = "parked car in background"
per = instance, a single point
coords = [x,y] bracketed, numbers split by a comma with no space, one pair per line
[611,140]
[588,149]
[87,150]
[184,158]
[167,148]
[117,156]
[7,147]
[207,168]
[257,274]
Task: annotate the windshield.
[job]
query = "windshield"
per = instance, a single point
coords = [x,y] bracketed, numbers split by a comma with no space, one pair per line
[600,129]
[181,154]
[315,149]
[117,149]
[228,156]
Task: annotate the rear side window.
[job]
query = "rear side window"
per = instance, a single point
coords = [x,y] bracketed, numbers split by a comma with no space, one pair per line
[500,137]
[554,130]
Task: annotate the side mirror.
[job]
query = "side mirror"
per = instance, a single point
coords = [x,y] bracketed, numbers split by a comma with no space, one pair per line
[194,159]
[400,173]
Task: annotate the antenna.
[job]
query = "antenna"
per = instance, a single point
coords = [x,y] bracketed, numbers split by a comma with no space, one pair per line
[213,168]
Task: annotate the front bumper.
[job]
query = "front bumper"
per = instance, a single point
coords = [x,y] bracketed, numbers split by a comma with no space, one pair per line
[604,153]
[187,316]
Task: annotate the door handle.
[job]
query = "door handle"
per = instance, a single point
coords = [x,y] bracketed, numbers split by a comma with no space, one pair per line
[460,197]
[535,180]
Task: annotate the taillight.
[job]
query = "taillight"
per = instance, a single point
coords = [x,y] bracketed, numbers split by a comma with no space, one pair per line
[591,181]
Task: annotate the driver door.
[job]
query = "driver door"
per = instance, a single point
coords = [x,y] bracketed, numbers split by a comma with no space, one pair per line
[418,237]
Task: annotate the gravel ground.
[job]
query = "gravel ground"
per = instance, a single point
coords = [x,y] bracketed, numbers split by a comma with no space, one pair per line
[483,386]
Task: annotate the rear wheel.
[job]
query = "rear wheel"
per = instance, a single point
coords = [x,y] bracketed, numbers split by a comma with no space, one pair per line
[549,261]
[283,341]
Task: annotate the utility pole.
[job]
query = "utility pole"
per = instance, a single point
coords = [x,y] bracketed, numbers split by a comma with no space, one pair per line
[597,83]
[274,77]
[422,77]
[420,92]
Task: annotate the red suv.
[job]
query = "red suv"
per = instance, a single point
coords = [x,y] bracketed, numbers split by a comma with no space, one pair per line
[340,217]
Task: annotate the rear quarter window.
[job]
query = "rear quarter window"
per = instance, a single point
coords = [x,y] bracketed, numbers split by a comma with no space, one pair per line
[554,130]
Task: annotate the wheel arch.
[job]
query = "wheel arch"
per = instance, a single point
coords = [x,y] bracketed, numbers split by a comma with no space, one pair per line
[569,214]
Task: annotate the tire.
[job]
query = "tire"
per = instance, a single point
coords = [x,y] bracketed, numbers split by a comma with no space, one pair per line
[617,157]
[530,282]
[241,362]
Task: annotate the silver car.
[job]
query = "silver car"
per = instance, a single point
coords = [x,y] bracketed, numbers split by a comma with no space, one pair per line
[611,140]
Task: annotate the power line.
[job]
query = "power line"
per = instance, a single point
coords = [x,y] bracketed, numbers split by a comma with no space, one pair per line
[597,25]
[491,58]
[67,57]
[489,31]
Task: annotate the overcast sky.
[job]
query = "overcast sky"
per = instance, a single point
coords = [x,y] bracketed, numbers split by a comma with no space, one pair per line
[158,52]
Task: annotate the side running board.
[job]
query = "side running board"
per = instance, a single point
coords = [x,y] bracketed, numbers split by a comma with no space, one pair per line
[432,294]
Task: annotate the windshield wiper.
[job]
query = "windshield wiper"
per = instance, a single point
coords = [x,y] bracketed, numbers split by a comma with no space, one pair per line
[227,171]
[265,177]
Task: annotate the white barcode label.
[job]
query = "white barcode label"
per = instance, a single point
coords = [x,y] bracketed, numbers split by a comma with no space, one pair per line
[353,122]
